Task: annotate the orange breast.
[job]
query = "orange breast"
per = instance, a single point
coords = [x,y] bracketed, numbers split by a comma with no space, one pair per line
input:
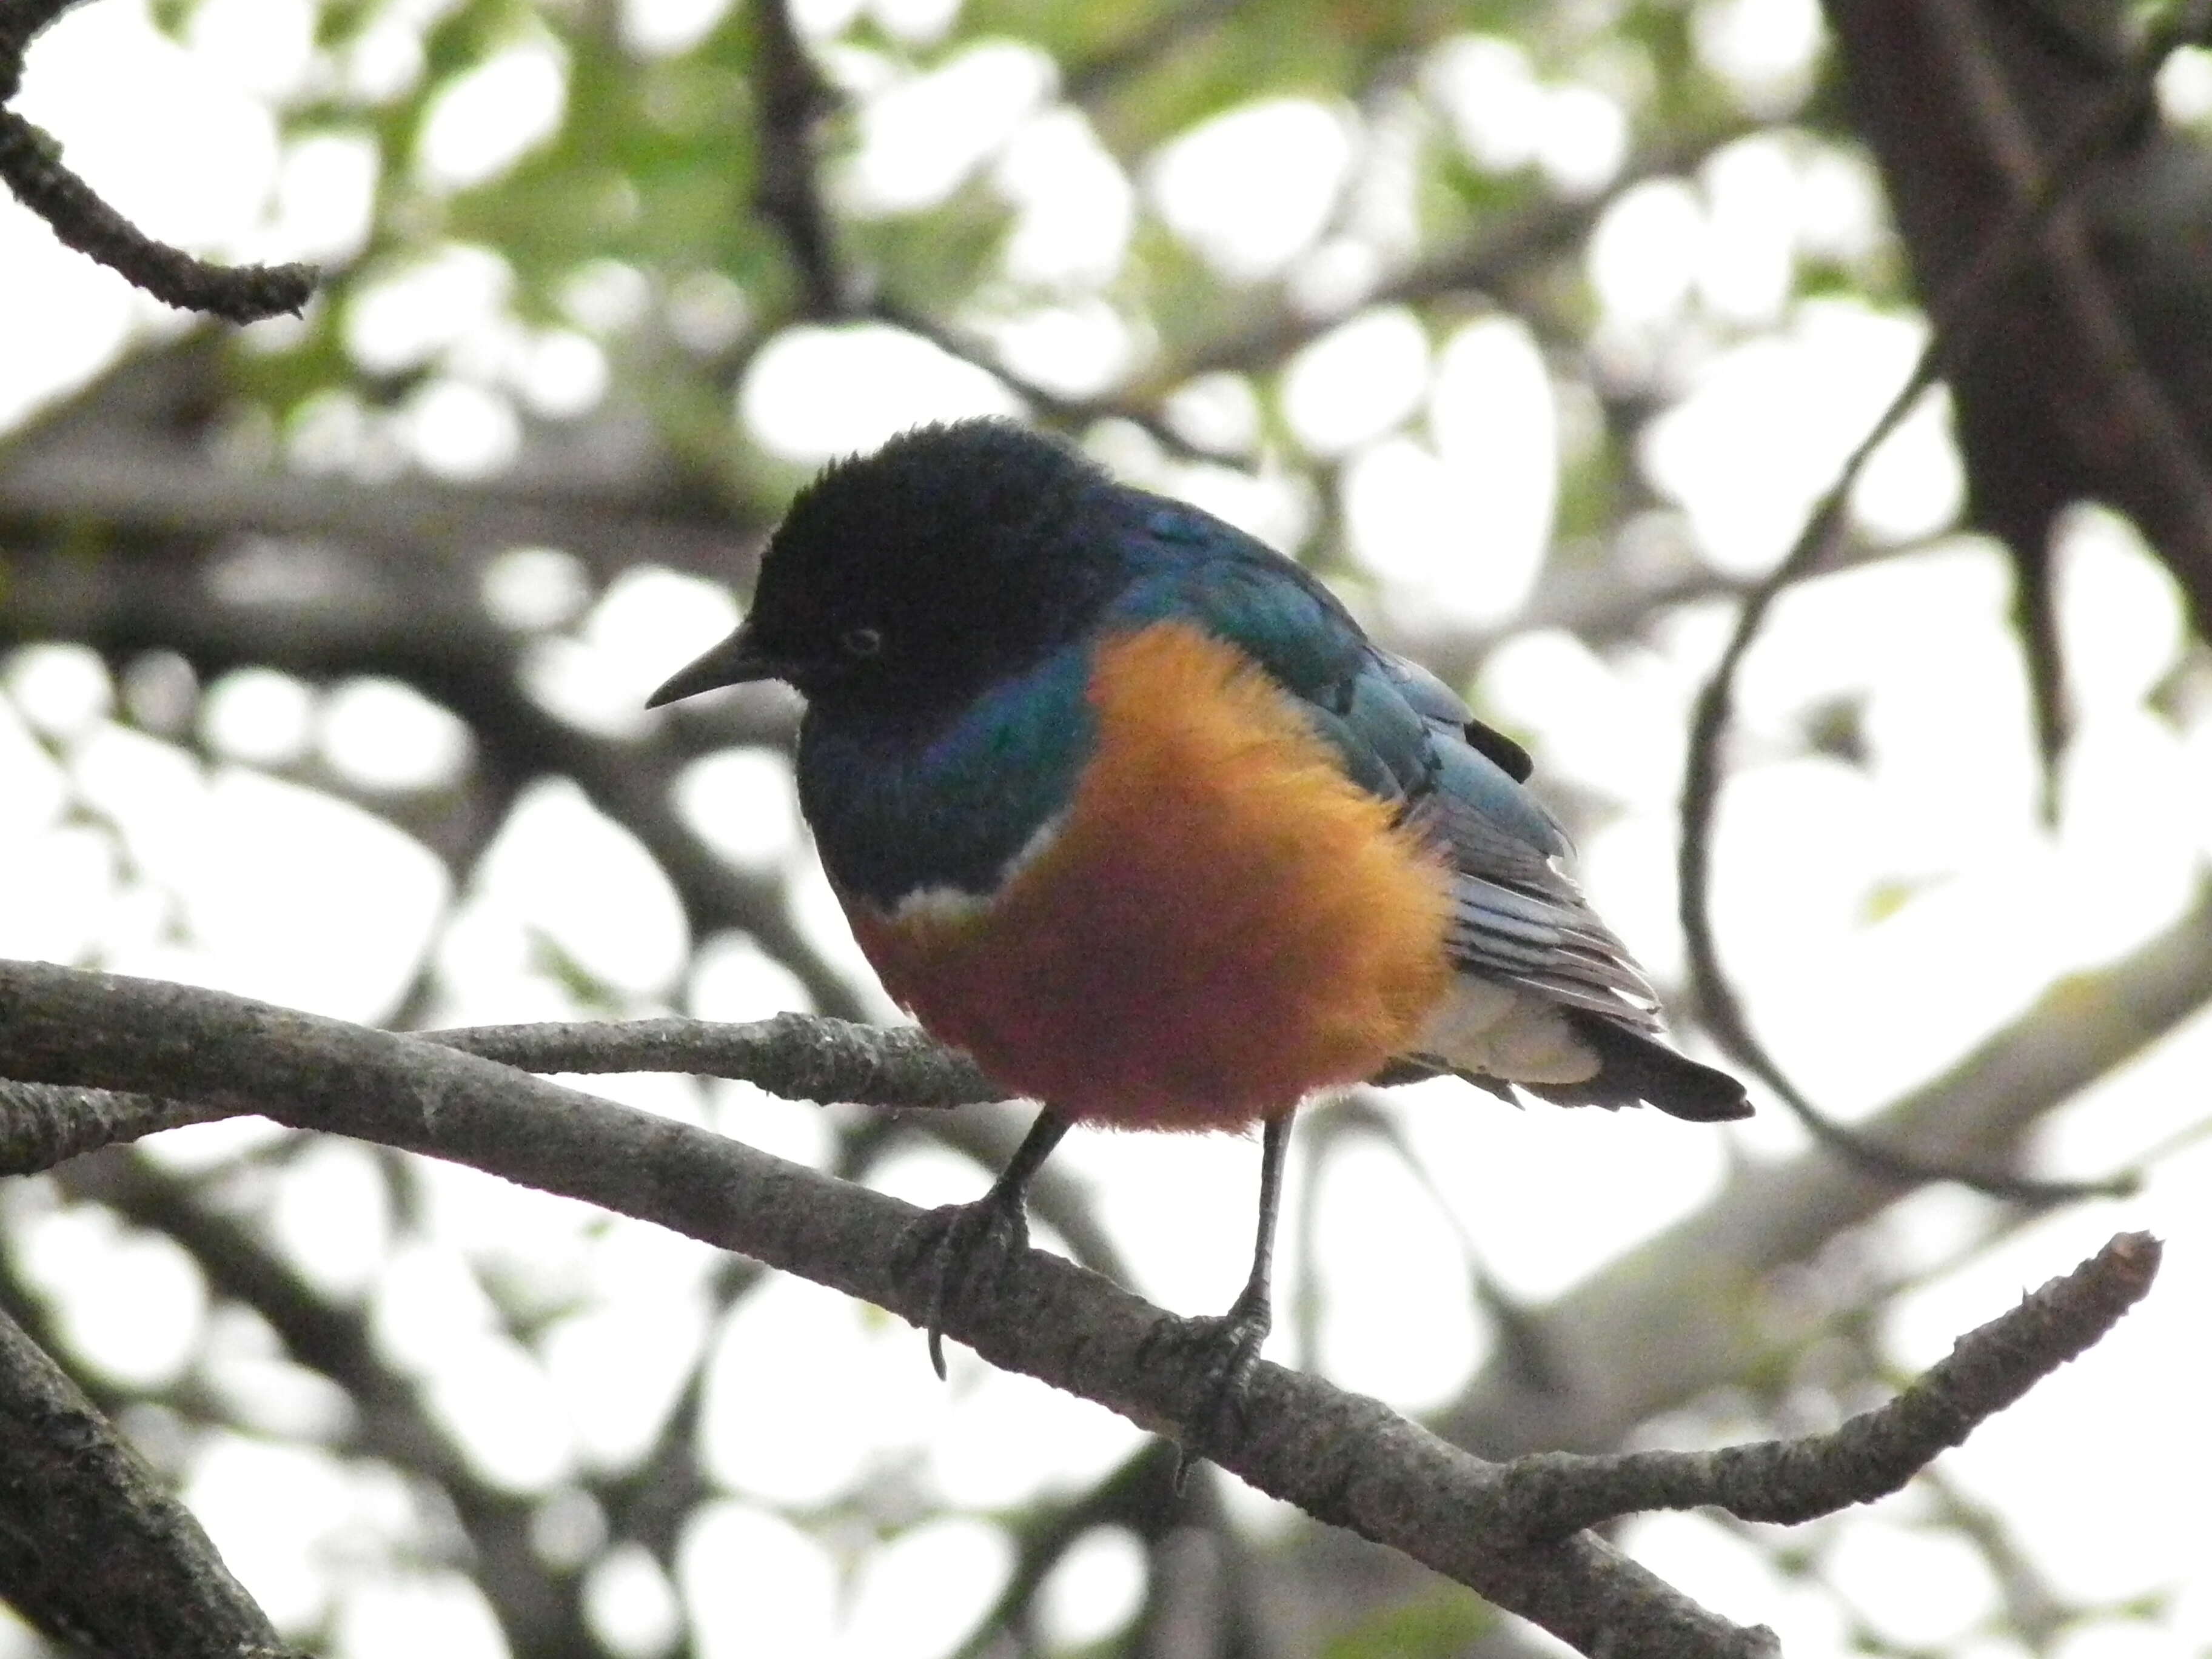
[1221,923]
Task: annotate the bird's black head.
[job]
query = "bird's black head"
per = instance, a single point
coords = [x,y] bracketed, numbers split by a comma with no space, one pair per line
[902,583]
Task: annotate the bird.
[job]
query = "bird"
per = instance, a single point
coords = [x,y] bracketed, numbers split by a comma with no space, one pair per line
[1129,806]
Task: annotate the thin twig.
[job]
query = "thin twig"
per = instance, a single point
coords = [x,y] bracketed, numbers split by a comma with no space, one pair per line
[1636,1357]
[1488,257]
[799,1056]
[31,163]
[1550,1494]
[1954,321]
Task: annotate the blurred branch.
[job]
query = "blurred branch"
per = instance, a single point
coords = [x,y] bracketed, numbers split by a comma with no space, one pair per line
[649,1504]
[1595,600]
[2152,431]
[1133,1494]
[794,98]
[1955,318]
[2084,377]
[140,482]
[2033,1608]
[1516,1337]
[1138,411]
[1345,1460]
[1486,258]
[1095,79]
[1872,1454]
[539,1614]
[359,615]
[93,1549]
[1631,1357]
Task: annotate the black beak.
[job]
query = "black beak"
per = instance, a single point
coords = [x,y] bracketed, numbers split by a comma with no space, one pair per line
[735,661]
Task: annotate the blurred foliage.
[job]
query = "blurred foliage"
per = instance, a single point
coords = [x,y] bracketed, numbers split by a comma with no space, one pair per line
[655,162]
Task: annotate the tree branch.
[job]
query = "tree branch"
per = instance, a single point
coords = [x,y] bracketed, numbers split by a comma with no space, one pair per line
[31,163]
[21,21]
[799,1056]
[1344,1458]
[72,1494]
[1550,1494]
[794,1056]
[1487,258]
[538,1614]
[1955,317]
[42,1124]
[166,485]
[786,192]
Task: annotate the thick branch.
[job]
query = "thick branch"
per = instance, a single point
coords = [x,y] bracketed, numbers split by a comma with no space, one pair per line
[1344,1458]
[72,1495]
[537,1613]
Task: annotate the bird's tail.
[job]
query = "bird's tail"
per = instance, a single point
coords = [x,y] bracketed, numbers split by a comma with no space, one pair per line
[1633,1068]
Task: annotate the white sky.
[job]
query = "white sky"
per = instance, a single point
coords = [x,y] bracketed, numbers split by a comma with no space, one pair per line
[1879,920]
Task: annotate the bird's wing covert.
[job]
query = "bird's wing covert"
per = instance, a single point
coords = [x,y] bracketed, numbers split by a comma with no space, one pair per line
[1405,736]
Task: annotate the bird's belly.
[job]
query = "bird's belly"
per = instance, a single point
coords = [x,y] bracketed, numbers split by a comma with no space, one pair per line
[1220,924]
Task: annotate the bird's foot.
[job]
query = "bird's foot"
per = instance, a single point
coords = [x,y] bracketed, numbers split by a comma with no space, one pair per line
[957,1243]
[1228,1345]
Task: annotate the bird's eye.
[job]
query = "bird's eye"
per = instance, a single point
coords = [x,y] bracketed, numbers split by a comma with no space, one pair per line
[861,641]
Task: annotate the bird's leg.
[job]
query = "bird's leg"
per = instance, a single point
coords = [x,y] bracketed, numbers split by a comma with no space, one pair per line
[959,1239]
[1233,1339]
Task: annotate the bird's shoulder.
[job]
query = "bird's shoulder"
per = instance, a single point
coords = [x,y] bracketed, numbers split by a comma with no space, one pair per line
[1399,731]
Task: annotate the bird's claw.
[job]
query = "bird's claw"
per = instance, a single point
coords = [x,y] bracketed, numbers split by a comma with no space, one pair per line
[1229,1344]
[955,1243]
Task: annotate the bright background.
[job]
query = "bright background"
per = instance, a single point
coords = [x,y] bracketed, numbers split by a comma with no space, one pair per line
[1551,487]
